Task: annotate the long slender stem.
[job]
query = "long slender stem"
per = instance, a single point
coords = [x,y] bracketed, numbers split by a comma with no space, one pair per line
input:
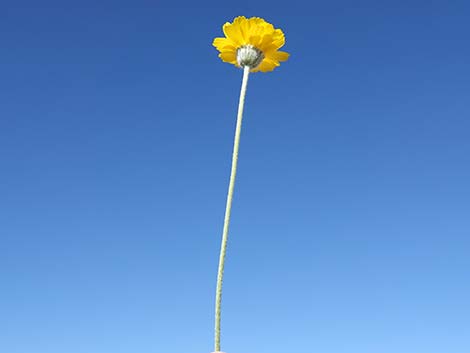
[233,173]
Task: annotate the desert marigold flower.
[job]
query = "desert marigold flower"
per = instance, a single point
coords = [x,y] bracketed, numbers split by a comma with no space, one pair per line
[251,42]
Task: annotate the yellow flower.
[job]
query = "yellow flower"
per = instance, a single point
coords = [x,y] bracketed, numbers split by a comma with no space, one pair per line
[251,42]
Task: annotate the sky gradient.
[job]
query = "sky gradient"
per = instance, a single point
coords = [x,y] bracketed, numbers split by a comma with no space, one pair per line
[350,224]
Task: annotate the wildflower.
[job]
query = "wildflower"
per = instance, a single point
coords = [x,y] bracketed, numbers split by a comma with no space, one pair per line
[251,42]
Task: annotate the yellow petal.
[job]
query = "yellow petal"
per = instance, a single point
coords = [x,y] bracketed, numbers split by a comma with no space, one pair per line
[239,19]
[228,57]
[266,43]
[257,31]
[244,26]
[256,27]
[280,55]
[255,40]
[233,33]
[267,65]
[268,27]
[237,24]
[255,21]
[278,38]
[223,43]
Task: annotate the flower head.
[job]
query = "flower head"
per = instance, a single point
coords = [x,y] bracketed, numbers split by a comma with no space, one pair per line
[251,42]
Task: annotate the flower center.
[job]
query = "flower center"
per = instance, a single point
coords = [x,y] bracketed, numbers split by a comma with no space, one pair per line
[248,55]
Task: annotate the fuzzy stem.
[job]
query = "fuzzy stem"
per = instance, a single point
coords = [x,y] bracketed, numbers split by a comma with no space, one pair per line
[233,173]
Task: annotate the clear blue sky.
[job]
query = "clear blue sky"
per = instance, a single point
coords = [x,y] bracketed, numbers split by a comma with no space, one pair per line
[351,217]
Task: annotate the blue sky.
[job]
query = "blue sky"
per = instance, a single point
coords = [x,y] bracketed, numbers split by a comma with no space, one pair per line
[350,225]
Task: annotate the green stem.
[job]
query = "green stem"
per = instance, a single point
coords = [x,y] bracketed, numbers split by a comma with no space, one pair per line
[233,173]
